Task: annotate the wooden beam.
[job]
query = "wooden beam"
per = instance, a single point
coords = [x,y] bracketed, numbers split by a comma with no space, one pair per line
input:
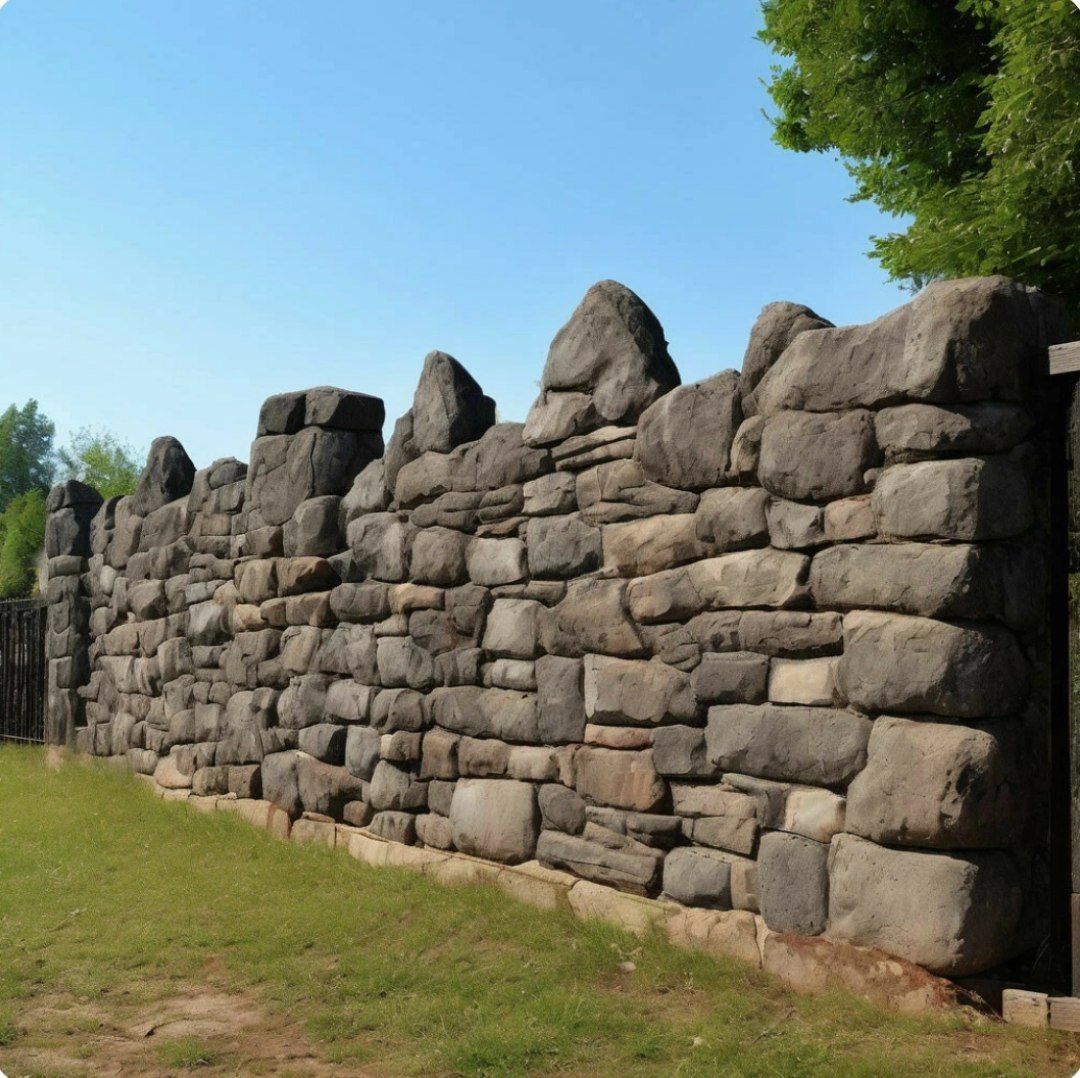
[1065,358]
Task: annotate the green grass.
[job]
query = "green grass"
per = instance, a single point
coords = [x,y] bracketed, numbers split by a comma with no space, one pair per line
[187,1053]
[108,894]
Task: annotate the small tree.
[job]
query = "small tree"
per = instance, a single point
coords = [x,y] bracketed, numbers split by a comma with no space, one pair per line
[101,459]
[26,451]
[22,533]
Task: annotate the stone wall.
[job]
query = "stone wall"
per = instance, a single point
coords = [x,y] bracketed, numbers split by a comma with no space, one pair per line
[774,641]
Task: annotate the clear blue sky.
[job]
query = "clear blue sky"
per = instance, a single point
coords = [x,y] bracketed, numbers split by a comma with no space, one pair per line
[205,202]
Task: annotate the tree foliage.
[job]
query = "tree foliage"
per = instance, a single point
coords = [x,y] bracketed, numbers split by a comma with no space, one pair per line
[22,531]
[26,451]
[101,459]
[961,115]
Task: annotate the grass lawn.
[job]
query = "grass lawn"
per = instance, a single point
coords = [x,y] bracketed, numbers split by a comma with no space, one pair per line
[139,937]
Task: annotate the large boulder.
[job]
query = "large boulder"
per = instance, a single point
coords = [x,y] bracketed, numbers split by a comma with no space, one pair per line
[684,438]
[959,581]
[168,475]
[816,457]
[625,692]
[815,745]
[449,407]
[625,780]
[955,914]
[776,327]
[495,818]
[892,662]
[974,339]
[970,498]
[939,785]
[612,356]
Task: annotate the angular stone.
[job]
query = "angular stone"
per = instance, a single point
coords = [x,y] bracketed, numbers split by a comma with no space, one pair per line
[622,779]
[803,681]
[495,818]
[550,495]
[959,581]
[496,561]
[623,692]
[511,628]
[168,475]
[849,518]
[562,547]
[810,456]
[362,746]
[954,914]
[560,699]
[970,498]
[679,752]
[475,712]
[819,746]
[698,877]
[794,526]
[394,827]
[732,518]
[298,575]
[747,578]
[892,662]
[280,781]
[912,431]
[368,494]
[735,829]
[793,883]
[817,814]
[591,618]
[684,439]
[360,602]
[438,557]
[630,870]
[449,407]
[561,809]
[775,328]
[324,788]
[641,547]
[555,416]
[940,786]
[381,544]
[737,677]
[619,490]
[395,789]
[612,348]
[328,406]
[314,528]
[324,741]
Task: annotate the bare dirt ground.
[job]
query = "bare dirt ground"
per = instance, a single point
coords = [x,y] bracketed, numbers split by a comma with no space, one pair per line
[193,1030]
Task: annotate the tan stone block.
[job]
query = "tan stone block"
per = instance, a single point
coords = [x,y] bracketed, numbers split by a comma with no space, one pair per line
[314,831]
[731,933]
[535,885]
[595,902]
[1022,1008]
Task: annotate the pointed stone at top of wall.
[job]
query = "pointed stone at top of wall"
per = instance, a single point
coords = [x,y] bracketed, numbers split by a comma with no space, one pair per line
[168,475]
[449,407]
[965,340]
[71,493]
[776,327]
[606,365]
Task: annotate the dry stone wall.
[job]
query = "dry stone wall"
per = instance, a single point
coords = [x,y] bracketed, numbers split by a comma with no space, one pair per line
[774,641]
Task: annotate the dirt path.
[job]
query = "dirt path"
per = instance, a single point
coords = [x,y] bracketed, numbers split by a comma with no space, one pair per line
[195,1030]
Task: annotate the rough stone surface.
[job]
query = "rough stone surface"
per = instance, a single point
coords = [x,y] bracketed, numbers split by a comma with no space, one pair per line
[497,819]
[940,786]
[663,639]
[953,913]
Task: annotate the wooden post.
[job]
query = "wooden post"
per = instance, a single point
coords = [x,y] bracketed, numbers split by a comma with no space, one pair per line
[1064,408]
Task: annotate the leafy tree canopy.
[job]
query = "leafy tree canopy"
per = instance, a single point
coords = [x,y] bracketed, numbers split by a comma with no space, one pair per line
[22,531]
[962,115]
[26,452]
[101,459]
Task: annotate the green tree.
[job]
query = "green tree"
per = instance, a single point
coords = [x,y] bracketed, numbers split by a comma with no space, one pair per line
[962,116]
[26,451]
[101,459]
[22,532]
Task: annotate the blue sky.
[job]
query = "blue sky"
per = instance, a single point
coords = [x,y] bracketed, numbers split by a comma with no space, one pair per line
[205,202]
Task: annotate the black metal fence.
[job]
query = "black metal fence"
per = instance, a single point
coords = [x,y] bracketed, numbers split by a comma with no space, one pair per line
[22,670]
